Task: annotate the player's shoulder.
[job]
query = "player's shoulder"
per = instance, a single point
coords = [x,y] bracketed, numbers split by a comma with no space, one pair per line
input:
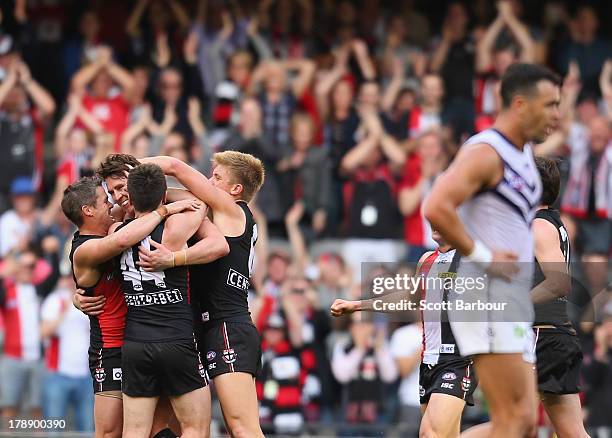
[544,231]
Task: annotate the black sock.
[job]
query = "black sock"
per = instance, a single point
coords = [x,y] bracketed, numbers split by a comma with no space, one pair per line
[165,433]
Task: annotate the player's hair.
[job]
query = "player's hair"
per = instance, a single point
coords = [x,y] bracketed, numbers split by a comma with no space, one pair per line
[523,79]
[116,166]
[147,187]
[244,169]
[78,194]
[551,180]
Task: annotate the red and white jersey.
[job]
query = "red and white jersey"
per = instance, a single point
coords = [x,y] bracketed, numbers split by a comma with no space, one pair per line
[420,122]
[66,351]
[438,337]
[21,313]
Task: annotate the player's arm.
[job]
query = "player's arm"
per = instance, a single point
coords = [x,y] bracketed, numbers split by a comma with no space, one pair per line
[557,282]
[179,228]
[211,246]
[341,307]
[197,184]
[97,251]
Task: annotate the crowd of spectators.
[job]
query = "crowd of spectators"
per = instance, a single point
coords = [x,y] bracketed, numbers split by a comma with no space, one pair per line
[354,107]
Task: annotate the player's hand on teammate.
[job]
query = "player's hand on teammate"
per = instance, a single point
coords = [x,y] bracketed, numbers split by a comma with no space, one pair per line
[156,259]
[91,306]
[503,265]
[342,307]
[184,205]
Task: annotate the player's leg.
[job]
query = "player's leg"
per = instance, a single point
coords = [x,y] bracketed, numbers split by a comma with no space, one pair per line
[193,412]
[138,416]
[565,413]
[241,413]
[442,417]
[108,414]
[164,420]
[509,385]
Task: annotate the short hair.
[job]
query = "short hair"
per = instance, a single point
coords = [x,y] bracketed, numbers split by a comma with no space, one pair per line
[551,180]
[147,187]
[522,78]
[78,194]
[116,166]
[244,169]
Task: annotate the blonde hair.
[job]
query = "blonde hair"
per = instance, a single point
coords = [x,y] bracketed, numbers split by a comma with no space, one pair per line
[244,169]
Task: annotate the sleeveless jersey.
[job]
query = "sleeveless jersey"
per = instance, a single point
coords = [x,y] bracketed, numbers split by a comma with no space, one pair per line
[222,285]
[107,329]
[438,341]
[553,312]
[501,217]
[157,302]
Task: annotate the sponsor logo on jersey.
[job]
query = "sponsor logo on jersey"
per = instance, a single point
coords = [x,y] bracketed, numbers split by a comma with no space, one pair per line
[212,366]
[229,355]
[237,280]
[210,355]
[447,385]
[205,317]
[449,376]
[117,374]
[447,348]
[154,298]
[99,375]
[466,382]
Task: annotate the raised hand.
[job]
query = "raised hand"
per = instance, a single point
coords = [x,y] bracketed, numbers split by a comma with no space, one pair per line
[343,307]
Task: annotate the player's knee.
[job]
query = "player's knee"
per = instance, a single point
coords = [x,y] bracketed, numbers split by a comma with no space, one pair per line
[433,429]
[239,428]
[518,416]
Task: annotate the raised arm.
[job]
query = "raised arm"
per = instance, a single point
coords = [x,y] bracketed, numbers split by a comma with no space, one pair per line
[42,98]
[360,49]
[328,79]
[85,75]
[519,31]
[395,85]
[484,61]
[557,282]
[179,12]
[132,27]
[8,83]
[358,153]
[306,69]
[605,83]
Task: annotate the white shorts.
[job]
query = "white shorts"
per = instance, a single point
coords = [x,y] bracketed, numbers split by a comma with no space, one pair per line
[504,324]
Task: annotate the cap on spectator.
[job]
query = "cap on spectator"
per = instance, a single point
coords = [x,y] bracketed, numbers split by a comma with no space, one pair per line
[22,185]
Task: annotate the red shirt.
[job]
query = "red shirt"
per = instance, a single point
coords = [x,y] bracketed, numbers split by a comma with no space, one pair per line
[415,229]
[111,112]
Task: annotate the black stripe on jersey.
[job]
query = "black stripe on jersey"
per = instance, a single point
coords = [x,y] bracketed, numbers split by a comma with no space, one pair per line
[511,204]
[446,333]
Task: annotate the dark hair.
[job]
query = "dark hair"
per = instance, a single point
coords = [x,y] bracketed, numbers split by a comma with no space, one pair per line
[147,186]
[116,166]
[551,180]
[78,194]
[523,79]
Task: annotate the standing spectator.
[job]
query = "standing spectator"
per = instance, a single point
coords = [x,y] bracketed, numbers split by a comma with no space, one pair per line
[277,100]
[406,350]
[430,113]
[107,103]
[16,224]
[362,364]
[82,49]
[22,126]
[20,306]
[305,172]
[421,169]
[65,333]
[453,59]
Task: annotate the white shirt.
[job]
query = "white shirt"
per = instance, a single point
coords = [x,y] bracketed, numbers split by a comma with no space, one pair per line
[405,342]
[12,230]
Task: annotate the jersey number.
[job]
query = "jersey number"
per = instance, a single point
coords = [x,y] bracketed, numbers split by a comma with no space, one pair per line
[135,274]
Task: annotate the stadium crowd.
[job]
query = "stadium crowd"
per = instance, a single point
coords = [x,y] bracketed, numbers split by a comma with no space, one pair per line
[354,107]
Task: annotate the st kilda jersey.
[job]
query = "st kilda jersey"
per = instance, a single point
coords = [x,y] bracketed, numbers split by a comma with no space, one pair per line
[108,327]
[157,302]
[438,341]
[553,312]
[222,286]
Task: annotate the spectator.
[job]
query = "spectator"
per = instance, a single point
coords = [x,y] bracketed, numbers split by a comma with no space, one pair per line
[108,104]
[20,296]
[82,49]
[67,382]
[17,223]
[305,172]
[21,126]
[406,350]
[362,364]
[421,169]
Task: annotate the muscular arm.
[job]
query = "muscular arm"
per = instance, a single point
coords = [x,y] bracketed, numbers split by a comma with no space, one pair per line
[475,167]
[548,253]
[179,228]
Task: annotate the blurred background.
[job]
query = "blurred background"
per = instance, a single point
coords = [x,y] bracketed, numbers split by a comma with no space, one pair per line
[354,107]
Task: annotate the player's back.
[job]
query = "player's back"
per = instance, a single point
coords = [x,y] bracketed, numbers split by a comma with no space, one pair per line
[501,217]
[158,302]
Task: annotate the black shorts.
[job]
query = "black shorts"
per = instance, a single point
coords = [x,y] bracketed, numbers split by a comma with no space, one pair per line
[558,361]
[105,368]
[454,377]
[231,347]
[152,369]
